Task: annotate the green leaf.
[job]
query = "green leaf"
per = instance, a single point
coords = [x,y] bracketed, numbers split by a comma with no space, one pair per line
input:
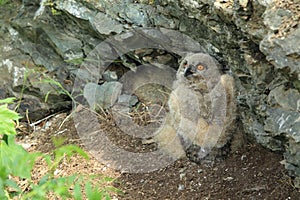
[58,141]
[88,190]
[112,189]
[8,128]
[3,177]
[48,159]
[92,193]
[77,192]
[7,100]
[44,179]
[3,194]
[60,89]
[69,150]
[13,158]
[13,184]
[46,96]
[7,117]
[107,196]
[61,186]
[106,179]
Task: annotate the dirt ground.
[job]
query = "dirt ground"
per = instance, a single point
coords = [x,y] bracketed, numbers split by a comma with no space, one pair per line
[250,173]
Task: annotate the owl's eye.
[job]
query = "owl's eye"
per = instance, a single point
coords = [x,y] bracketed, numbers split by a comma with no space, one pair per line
[200,67]
[185,63]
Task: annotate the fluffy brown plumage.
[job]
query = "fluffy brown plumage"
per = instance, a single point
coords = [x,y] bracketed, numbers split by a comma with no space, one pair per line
[201,110]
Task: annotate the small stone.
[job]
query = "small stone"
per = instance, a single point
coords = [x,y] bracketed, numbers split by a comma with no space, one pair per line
[182,170]
[228,178]
[148,141]
[110,76]
[128,100]
[56,172]
[181,187]
[25,145]
[243,157]
[182,175]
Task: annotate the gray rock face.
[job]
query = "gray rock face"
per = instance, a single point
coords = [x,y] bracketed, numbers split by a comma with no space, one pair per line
[258,41]
[282,44]
[102,96]
[105,25]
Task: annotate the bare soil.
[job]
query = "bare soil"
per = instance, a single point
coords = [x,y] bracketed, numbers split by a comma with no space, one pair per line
[252,172]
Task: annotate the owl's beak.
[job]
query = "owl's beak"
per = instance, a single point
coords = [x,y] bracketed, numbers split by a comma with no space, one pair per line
[187,71]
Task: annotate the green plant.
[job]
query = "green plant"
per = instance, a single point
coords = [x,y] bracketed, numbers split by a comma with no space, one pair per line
[2,2]
[17,164]
[60,90]
[58,87]
[24,87]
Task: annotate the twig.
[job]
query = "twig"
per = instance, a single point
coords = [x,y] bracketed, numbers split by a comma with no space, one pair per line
[39,121]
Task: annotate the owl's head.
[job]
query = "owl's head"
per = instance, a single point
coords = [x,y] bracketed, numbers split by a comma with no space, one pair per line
[199,66]
[193,68]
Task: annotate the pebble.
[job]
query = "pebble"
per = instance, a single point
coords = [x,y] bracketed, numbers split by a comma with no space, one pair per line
[180,187]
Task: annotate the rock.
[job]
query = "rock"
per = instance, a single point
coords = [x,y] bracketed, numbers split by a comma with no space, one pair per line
[136,14]
[105,25]
[69,48]
[103,96]
[128,100]
[274,18]
[32,105]
[281,122]
[287,99]
[149,83]
[110,76]
[181,187]
[42,56]
[26,35]
[265,139]
[281,44]
[75,9]
[292,162]
[283,51]
[297,182]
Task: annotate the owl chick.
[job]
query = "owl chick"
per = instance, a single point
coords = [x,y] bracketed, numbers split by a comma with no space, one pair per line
[201,110]
[215,93]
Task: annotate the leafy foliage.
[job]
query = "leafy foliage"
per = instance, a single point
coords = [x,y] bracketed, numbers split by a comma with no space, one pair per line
[17,164]
[2,2]
[7,118]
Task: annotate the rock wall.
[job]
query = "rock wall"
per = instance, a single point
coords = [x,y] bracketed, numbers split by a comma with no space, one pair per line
[257,41]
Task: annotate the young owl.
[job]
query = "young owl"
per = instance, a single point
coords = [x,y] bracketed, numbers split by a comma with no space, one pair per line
[201,110]
[216,113]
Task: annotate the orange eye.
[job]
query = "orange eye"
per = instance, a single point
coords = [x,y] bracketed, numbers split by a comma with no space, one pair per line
[200,67]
